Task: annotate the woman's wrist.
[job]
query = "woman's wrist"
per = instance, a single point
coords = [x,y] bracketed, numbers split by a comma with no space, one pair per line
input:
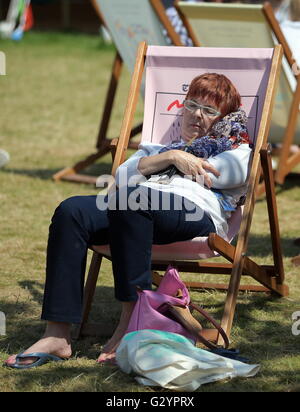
[152,164]
[171,157]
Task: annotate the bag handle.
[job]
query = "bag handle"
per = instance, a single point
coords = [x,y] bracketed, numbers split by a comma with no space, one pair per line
[201,338]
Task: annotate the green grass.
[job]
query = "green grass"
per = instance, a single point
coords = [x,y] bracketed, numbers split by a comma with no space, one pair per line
[51,102]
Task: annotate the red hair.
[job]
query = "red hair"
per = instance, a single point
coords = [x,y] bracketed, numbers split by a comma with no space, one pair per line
[216,90]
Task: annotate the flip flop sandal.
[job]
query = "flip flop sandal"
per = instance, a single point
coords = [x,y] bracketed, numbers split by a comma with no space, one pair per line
[231,354]
[42,359]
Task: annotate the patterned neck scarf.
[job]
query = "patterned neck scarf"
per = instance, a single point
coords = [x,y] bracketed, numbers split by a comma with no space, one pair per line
[227,134]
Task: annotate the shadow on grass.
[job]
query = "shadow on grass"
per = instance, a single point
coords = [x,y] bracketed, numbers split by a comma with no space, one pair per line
[104,294]
[94,378]
[21,329]
[261,341]
[262,332]
[263,322]
[69,377]
[292,181]
[261,246]
[43,174]
[35,288]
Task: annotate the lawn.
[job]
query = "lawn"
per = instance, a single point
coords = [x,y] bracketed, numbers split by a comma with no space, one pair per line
[51,102]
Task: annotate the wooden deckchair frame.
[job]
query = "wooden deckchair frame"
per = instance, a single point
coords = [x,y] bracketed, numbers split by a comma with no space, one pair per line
[271,277]
[287,161]
[103,142]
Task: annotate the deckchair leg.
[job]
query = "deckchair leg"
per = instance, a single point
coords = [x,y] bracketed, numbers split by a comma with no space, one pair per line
[266,163]
[237,257]
[242,264]
[277,283]
[134,90]
[231,299]
[89,291]
[110,97]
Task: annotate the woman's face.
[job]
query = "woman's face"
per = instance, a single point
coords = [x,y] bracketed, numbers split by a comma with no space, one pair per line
[198,117]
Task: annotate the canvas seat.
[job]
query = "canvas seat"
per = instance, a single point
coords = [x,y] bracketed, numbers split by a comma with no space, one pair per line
[169,70]
[194,249]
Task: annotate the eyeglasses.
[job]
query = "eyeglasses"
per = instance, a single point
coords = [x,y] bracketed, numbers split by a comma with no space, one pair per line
[193,106]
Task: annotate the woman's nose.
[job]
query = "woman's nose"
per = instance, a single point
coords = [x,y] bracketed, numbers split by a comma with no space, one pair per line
[199,113]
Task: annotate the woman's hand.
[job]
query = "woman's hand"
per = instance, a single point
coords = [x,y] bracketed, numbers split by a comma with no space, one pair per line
[149,165]
[190,165]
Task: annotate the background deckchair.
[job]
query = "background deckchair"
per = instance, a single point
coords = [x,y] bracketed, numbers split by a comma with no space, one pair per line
[169,71]
[248,25]
[129,22]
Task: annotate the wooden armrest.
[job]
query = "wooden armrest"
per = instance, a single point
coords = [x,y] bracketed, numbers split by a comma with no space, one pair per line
[114,142]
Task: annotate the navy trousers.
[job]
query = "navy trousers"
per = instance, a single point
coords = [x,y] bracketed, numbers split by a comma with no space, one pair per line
[78,224]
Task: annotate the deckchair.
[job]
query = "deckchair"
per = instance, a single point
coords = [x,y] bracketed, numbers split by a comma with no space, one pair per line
[255,73]
[249,25]
[128,23]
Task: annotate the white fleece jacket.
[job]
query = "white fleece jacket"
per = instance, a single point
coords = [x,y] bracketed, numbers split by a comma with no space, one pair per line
[233,166]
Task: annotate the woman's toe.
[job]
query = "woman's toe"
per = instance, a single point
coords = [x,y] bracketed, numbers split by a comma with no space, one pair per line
[11,360]
[104,356]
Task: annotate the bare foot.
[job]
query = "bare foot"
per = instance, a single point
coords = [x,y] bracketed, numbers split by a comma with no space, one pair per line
[56,341]
[109,349]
